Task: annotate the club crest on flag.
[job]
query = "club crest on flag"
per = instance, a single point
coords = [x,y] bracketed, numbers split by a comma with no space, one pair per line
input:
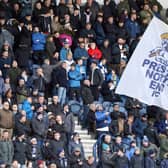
[157,68]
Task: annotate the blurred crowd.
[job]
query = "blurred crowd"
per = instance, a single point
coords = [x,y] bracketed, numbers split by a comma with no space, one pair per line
[61,60]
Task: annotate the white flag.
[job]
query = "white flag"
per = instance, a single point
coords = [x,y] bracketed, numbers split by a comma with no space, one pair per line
[146,75]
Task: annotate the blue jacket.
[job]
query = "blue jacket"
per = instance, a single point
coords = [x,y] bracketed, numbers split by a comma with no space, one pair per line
[82,70]
[80,52]
[38,41]
[132,28]
[138,127]
[130,152]
[26,106]
[101,117]
[63,54]
[74,78]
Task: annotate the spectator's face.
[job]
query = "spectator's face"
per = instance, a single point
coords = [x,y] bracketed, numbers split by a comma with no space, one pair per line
[155,8]
[110,20]
[134,16]
[57,136]
[15,164]
[108,139]
[59,119]
[88,26]
[7,80]
[41,99]
[106,43]
[78,2]
[91,160]
[72,68]
[5,54]
[2,21]
[145,143]
[62,154]
[29,99]
[131,118]
[55,99]
[5,135]
[146,7]
[47,3]
[16,7]
[93,45]
[77,153]
[80,62]
[66,108]
[137,151]
[21,82]
[116,107]
[38,5]
[34,141]
[36,29]
[23,119]
[39,71]
[100,19]
[76,137]
[14,107]
[118,140]
[14,64]
[6,106]
[64,65]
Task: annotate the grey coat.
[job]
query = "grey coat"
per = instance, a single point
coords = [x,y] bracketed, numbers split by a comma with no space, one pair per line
[69,122]
[6,151]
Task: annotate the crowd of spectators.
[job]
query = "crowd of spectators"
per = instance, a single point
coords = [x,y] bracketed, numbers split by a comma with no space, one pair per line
[53,54]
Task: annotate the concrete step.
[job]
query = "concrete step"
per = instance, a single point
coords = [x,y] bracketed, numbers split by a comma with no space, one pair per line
[81,131]
[78,127]
[85,136]
[89,141]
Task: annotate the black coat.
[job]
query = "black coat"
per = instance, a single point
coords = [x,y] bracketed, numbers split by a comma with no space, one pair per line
[97,78]
[54,108]
[151,133]
[53,147]
[62,162]
[74,161]
[109,10]
[39,128]
[106,53]
[137,161]
[121,162]
[39,84]
[86,94]
[22,127]
[108,159]
[86,34]
[116,54]
[29,150]
[111,32]
[19,151]
[59,76]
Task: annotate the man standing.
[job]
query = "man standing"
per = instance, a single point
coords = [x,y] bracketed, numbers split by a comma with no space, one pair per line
[6,148]
[6,120]
[96,79]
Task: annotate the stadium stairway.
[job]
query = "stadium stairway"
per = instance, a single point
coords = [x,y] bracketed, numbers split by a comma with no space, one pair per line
[87,140]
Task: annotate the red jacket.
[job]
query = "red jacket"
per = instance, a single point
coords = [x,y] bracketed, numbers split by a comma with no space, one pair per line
[95,53]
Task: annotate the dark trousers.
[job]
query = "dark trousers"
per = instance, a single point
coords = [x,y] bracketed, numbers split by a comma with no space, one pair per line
[95,92]
[74,93]
[38,57]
